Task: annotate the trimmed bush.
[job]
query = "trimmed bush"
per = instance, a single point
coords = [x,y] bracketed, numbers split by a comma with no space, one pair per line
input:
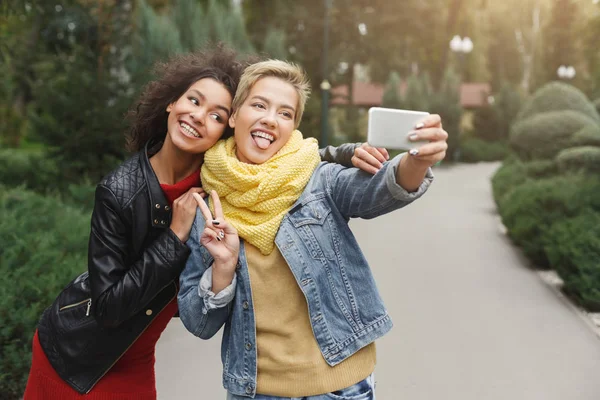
[541,169]
[511,174]
[530,209]
[558,96]
[589,135]
[543,136]
[475,150]
[44,246]
[573,249]
[585,158]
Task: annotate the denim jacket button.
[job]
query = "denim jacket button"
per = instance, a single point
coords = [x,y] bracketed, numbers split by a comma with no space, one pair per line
[245,305]
[248,346]
[249,389]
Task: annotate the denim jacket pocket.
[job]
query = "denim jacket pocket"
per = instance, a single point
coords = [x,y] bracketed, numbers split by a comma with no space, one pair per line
[312,225]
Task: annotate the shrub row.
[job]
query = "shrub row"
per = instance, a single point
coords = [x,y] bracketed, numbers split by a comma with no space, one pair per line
[44,245]
[475,150]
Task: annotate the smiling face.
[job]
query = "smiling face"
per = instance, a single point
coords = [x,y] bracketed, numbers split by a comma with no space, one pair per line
[198,118]
[265,120]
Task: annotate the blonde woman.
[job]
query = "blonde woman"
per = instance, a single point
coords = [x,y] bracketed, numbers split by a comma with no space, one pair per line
[300,306]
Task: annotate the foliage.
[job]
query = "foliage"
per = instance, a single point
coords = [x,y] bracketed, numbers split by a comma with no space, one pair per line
[558,96]
[88,141]
[507,103]
[487,124]
[44,247]
[572,246]
[274,45]
[391,94]
[418,93]
[446,103]
[475,150]
[541,169]
[589,135]
[33,170]
[544,135]
[530,209]
[561,38]
[511,174]
[584,158]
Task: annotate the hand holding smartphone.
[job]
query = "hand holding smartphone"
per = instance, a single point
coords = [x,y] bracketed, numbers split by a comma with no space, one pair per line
[390,127]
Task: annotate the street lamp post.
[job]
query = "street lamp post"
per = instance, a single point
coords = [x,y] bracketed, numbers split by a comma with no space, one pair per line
[325,85]
[566,72]
[461,46]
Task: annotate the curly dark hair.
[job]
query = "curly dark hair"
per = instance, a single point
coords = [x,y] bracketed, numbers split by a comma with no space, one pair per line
[148,117]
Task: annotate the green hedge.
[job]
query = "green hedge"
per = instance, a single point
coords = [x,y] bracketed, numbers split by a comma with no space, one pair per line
[44,246]
[541,169]
[585,158]
[573,249]
[530,209]
[558,96]
[545,135]
[511,174]
[475,150]
[589,135]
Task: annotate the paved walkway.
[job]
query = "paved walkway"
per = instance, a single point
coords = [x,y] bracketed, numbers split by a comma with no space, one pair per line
[471,321]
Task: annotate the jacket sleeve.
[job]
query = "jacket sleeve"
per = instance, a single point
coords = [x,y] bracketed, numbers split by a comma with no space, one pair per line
[358,194]
[201,313]
[120,289]
[339,155]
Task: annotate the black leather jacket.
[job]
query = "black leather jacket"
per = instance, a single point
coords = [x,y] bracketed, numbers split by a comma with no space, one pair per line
[134,261]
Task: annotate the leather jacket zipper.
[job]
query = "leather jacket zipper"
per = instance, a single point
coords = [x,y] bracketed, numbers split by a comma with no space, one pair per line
[138,336]
[89,305]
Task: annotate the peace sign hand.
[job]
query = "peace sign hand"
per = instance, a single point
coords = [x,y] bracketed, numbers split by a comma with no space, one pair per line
[220,239]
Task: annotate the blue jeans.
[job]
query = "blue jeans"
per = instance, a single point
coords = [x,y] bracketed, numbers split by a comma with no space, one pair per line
[363,390]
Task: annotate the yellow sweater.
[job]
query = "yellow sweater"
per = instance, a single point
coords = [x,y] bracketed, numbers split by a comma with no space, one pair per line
[290,363]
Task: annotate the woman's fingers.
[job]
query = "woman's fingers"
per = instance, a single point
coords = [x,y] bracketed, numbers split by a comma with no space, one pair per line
[430,121]
[365,166]
[429,134]
[217,205]
[203,207]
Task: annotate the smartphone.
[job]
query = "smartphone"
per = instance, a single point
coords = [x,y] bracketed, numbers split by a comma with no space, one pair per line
[389,127]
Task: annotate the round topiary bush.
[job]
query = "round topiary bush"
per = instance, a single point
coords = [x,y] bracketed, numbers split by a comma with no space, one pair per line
[585,158]
[541,169]
[557,96]
[572,246]
[589,135]
[544,135]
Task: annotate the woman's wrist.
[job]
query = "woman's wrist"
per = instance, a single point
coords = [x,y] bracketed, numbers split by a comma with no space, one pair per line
[222,275]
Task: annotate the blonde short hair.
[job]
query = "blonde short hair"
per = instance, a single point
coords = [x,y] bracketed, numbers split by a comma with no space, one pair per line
[286,71]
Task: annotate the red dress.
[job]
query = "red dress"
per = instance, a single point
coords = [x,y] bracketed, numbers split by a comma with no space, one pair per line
[132,377]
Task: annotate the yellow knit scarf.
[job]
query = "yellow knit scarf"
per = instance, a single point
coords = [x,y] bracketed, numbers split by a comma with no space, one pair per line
[255,198]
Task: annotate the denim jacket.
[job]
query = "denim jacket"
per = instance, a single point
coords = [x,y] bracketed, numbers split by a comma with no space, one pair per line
[345,309]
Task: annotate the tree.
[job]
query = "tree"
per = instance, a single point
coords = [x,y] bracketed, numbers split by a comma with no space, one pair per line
[391,94]
[561,39]
[274,45]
